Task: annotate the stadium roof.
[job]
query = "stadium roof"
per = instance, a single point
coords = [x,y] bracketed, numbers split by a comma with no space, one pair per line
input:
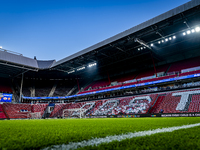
[153,21]
[121,52]
[13,64]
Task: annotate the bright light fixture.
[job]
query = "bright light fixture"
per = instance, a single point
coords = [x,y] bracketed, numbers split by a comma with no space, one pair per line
[193,30]
[162,41]
[158,42]
[188,32]
[141,48]
[170,38]
[71,71]
[144,47]
[152,44]
[80,68]
[94,64]
[184,33]
[138,49]
[166,39]
[197,29]
[174,37]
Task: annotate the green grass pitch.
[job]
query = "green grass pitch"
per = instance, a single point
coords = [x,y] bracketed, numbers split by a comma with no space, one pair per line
[37,134]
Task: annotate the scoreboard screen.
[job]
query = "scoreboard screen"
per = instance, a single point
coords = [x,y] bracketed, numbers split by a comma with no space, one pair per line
[4,97]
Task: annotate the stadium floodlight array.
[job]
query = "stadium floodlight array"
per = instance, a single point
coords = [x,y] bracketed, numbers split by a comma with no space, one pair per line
[166,39]
[197,29]
[93,64]
[71,71]
[81,68]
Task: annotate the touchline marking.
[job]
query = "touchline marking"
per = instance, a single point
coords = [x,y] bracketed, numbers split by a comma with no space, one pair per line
[108,139]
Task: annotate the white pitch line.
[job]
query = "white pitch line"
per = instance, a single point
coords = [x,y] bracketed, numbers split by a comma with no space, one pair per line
[108,139]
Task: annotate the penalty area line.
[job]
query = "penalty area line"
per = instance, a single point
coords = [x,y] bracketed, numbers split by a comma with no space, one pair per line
[108,139]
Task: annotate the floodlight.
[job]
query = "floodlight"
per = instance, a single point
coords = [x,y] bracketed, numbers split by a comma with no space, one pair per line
[174,37]
[141,48]
[158,42]
[170,38]
[138,49]
[188,32]
[193,30]
[80,68]
[163,41]
[197,29]
[184,33]
[144,47]
[71,71]
[151,44]
[166,39]
[93,64]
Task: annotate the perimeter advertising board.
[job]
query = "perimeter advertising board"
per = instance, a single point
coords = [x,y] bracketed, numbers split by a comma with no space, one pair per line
[4,97]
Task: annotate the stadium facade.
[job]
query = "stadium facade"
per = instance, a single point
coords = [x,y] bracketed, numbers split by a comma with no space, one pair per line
[151,68]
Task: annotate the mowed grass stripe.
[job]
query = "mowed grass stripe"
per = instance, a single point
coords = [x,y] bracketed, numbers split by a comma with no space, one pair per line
[119,138]
[37,134]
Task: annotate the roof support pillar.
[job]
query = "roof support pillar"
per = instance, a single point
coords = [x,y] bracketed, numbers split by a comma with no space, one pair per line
[20,97]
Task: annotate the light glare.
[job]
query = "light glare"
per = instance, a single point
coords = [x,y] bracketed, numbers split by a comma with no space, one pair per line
[188,32]
[184,33]
[197,29]
[193,30]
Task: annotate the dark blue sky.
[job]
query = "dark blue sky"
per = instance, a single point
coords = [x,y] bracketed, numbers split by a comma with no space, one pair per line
[54,29]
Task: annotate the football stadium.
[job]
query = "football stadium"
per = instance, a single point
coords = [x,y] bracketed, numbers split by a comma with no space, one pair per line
[139,89]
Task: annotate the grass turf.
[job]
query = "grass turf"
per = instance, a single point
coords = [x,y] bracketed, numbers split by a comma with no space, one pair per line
[35,134]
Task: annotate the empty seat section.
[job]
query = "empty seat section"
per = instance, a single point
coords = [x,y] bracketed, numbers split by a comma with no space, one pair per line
[2,115]
[17,110]
[184,64]
[39,108]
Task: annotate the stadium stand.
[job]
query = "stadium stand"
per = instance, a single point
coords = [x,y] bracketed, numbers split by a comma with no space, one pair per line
[178,66]
[182,101]
[17,110]
[2,114]
[115,62]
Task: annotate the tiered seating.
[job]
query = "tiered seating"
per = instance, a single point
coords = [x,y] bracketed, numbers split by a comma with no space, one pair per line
[189,73]
[17,110]
[170,103]
[123,78]
[39,108]
[2,115]
[63,88]
[178,66]
[183,101]
[57,108]
[95,86]
[5,89]
[155,108]
[158,78]
[26,91]
[43,87]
